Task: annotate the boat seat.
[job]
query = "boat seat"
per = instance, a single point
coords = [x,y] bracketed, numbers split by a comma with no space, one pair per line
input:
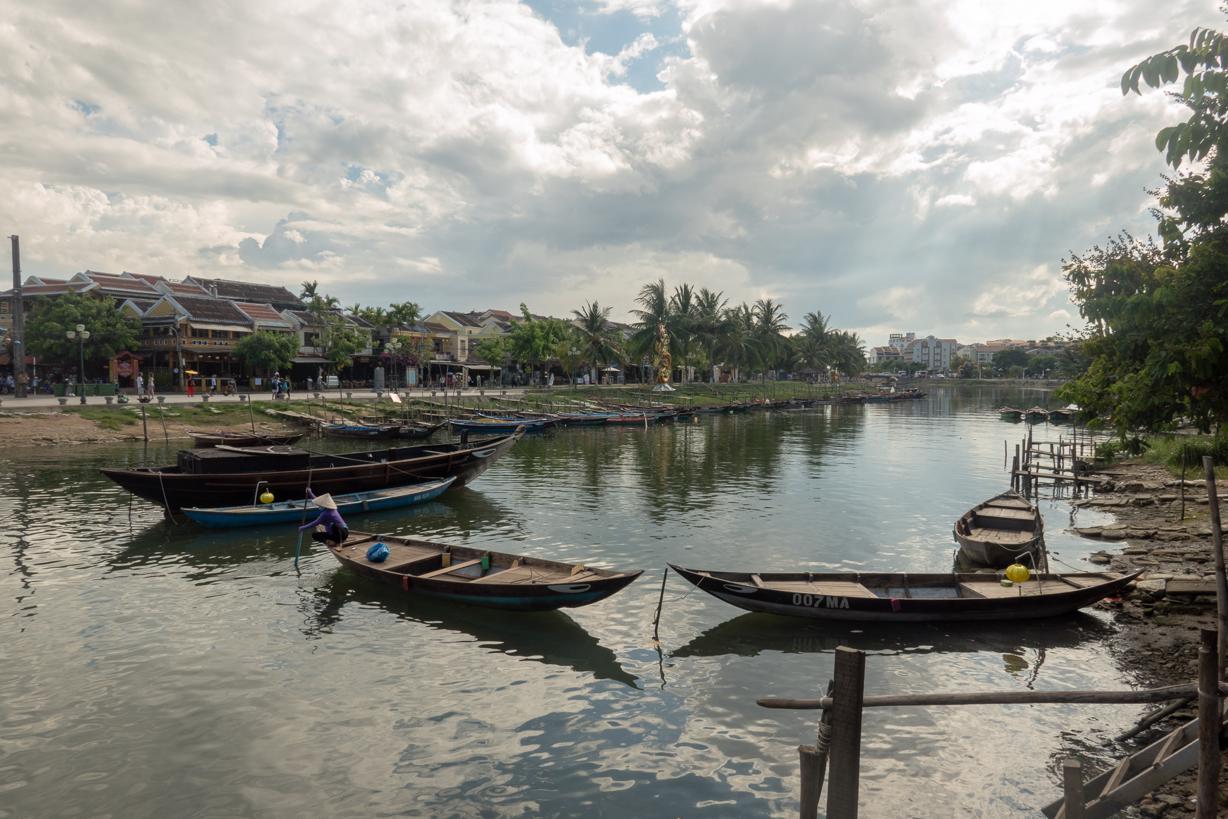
[515,574]
[827,588]
[449,569]
[757,580]
[1004,537]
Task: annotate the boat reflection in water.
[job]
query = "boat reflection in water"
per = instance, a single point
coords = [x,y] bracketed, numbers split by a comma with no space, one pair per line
[549,637]
[749,635]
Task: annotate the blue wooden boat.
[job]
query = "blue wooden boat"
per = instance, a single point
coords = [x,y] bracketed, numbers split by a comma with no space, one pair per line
[461,574]
[497,424]
[377,500]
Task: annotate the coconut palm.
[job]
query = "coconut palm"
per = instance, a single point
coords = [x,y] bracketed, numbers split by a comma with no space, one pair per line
[655,303]
[770,327]
[597,340]
[710,322]
[682,319]
[737,345]
[848,352]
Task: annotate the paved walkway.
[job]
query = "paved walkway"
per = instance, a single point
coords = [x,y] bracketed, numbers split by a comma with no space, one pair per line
[9,402]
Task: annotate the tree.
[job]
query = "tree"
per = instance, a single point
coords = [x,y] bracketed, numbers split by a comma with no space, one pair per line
[738,344]
[710,322]
[110,331]
[266,351]
[533,342]
[654,309]
[770,326]
[493,351]
[339,340]
[404,314]
[683,314]
[848,352]
[1013,357]
[595,338]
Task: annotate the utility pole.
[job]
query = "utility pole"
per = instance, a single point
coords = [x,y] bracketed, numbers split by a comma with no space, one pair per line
[18,330]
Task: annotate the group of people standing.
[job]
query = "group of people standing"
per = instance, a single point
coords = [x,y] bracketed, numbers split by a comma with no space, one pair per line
[145,386]
[280,387]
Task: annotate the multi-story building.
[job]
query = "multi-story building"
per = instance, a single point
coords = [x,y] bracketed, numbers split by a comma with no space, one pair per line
[900,341]
[933,353]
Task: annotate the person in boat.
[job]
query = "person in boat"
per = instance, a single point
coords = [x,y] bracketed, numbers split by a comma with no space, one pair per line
[329,528]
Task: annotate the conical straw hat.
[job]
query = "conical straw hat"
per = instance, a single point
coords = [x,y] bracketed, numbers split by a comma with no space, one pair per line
[326,501]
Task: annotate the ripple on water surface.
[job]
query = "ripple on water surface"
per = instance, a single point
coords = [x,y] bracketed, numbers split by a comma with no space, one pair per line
[155,669]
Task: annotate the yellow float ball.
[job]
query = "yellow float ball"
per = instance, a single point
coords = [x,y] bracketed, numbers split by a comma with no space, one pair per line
[267,497]
[1017,573]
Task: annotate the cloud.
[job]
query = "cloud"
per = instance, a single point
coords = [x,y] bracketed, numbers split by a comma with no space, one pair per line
[881,161]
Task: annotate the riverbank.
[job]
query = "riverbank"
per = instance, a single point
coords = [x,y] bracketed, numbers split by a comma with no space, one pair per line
[119,424]
[1161,526]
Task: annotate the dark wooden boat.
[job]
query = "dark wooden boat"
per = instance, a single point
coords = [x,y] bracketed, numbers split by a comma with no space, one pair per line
[1000,530]
[478,577]
[344,429]
[230,476]
[1011,414]
[907,597]
[208,439]
[1036,414]
[418,431]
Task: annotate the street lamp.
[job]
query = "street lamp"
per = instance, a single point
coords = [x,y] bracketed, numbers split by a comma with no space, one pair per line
[81,335]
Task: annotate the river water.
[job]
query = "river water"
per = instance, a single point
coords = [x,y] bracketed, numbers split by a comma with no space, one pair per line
[153,670]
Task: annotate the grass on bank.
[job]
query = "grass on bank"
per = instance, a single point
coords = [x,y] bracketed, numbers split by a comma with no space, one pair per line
[1169,450]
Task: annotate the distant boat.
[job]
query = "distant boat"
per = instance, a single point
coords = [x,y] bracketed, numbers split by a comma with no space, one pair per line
[202,440]
[292,511]
[478,577]
[1011,414]
[1000,530]
[1037,414]
[909,597]
[497,424]
[1065,413]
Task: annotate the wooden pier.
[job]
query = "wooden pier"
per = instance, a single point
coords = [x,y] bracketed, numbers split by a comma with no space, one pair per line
[1064,462]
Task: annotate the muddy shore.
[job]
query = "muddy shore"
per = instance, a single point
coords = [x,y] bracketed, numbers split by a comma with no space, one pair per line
[42,428]
[1162,527]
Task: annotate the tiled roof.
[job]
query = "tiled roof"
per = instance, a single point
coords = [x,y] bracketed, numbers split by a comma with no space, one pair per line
[125,285]
[216,310]
[460,318]
[262,314]
[249,292]
[58,289]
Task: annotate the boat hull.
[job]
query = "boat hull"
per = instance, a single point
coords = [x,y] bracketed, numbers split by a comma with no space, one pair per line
[294,511]
[999,516]
[202,440]
[746,595]
[506,596]
[173,490]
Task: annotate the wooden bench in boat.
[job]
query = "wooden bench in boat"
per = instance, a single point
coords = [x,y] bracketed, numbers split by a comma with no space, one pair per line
[826,588]
[455,567]
[998,514]
[1004,536]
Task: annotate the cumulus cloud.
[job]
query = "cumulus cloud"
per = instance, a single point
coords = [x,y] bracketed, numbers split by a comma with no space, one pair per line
[884,161]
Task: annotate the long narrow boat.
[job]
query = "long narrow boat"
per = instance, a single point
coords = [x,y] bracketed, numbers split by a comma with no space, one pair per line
[481,578]
[496,425]
[631,420]
[1011,414]
[907,597]
[1000,530]
[229,476]
[208,439]
[1037,414]
[343,429]
[292,511]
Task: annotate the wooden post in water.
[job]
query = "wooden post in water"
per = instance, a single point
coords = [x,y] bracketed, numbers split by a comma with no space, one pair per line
[1209,712]
[1072,788]
[846,733]
[1221,580]
[144,423]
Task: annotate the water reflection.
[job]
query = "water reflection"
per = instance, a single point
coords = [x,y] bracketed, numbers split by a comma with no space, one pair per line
[752,634]
[552,638]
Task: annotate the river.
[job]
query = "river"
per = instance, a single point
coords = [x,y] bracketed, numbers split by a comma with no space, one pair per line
[155,670]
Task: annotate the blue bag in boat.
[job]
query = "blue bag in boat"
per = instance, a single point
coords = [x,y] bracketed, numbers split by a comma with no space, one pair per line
[378,552]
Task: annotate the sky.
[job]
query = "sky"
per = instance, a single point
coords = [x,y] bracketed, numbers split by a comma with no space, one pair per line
[896,165]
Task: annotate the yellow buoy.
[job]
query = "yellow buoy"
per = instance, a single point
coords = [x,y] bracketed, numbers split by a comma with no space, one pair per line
[1017,573]
[266,496]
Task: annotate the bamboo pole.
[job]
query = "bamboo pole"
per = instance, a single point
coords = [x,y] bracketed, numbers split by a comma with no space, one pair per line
[144,423]
[847,694]
[1221,580]
[1072,788]
[1164,694]
[656,621]
[1208,723]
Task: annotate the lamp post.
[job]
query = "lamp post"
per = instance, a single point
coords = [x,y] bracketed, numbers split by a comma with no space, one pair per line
[81,335]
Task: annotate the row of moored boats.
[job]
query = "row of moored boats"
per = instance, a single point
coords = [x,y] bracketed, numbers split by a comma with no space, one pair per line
[229,485]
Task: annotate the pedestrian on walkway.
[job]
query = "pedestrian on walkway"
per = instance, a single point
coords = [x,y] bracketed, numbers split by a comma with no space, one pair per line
[149,386]
[140,384]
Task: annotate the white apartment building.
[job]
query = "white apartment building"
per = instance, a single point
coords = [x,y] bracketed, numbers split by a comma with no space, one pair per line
[934,353]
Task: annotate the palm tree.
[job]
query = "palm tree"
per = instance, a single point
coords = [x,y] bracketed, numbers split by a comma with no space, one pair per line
[710,322]
[737,344]
[770,326]
[596,338]
[404,314]
[655,303]
[848,352]
[310,291]
[683,315]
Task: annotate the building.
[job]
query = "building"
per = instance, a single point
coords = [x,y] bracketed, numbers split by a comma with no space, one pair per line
[900,341]
[885,355]
[934,354]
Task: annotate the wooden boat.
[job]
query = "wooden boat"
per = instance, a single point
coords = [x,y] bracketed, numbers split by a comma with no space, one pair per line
[418,431]
[1035,414]
[998,531]
[208,439]
[1011,414]
[907,597]
[344,429]
[1060,416]
[291,511]
[479,577]
[627,419]
[229,476]
[497,424]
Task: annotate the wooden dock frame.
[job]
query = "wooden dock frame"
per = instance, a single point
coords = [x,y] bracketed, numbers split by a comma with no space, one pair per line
[1134,776]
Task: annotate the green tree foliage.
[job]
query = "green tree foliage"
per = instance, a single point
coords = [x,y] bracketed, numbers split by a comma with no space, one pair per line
[265,351]
[711,322]
[532,342]
[597,340]
[1157,315]
[110,331]
[1005,359]
[848,353]
[494,351]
